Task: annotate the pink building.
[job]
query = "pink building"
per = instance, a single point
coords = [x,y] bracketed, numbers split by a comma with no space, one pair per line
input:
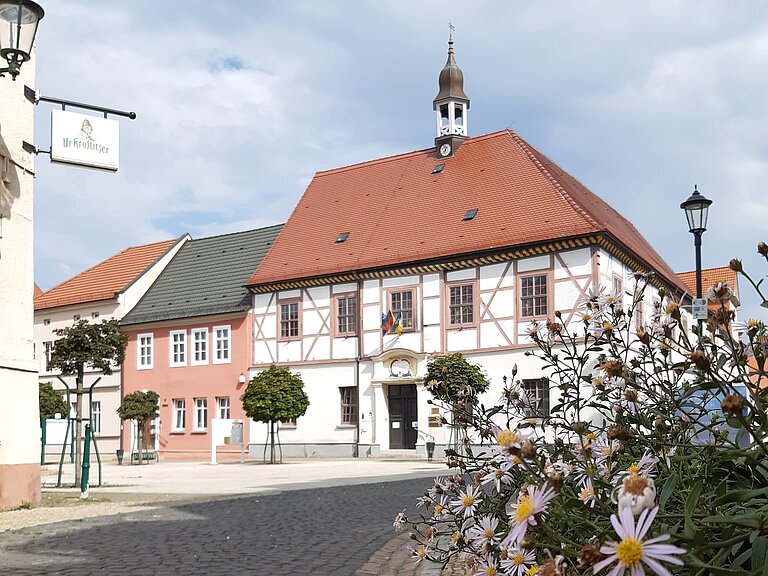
[190,341]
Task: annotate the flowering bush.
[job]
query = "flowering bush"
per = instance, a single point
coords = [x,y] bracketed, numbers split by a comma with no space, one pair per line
[652,459]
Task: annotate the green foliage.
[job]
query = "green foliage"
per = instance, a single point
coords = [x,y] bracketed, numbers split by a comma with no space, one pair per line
[647,422]
[101,346]
[275,395]
[140,406]
[51,401]
[451,377]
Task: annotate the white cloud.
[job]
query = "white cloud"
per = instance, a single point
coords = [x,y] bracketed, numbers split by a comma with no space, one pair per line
[239,105]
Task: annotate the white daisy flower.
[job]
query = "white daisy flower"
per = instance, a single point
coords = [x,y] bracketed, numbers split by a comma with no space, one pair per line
[632,550]
[637,493]
[467,501]
[487,567]
[499,475]
[515,561]
[524,512]
[587,493]
[399,523]
[484,532]
[418,554]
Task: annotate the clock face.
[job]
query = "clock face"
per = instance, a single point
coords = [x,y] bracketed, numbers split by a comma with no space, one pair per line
[400,368]
[445,149]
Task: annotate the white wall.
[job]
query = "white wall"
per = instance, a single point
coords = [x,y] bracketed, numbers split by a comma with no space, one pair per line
[19,414]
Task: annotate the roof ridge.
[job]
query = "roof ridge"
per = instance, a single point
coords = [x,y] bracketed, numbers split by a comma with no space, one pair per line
[402,155]
[528,149]
[238,232]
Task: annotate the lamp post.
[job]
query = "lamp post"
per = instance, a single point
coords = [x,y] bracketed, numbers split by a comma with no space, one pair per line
[696,211]
[18,26]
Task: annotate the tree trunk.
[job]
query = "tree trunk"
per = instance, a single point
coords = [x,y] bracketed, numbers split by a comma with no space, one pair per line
[271,441]
[139,431]
[79,425]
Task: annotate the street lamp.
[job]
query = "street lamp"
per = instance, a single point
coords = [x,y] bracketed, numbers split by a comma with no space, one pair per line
[696,211]
[18,26]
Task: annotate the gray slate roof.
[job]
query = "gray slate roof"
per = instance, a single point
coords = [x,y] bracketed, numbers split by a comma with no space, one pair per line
[207,276]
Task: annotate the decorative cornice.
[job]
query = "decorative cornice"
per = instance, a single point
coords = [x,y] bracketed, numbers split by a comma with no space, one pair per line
[603,240]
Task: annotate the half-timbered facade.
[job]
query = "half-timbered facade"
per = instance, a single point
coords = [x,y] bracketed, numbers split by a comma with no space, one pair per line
[465,243]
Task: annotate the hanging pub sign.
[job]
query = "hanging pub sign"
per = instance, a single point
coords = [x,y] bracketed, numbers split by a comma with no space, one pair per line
[85,140]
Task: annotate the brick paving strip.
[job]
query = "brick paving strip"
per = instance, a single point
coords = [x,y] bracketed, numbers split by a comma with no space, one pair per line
[336,531]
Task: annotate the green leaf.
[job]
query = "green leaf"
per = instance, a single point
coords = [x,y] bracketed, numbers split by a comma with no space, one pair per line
[690,506]
[666,491]
[741,496]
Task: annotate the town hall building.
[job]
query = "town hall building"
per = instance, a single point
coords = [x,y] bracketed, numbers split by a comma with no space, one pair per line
[464,243]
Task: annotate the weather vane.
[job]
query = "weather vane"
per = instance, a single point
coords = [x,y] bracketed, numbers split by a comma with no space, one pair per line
[451,28]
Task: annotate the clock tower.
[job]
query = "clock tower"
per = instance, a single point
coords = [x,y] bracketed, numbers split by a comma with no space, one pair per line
[451,105]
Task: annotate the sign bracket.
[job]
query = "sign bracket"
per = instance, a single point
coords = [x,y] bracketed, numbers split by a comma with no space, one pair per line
[35,97]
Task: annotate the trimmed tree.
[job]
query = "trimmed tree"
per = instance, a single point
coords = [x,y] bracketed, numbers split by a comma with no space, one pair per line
[140,406]
[100,346]
[275,395]
[51,402]
[457,382]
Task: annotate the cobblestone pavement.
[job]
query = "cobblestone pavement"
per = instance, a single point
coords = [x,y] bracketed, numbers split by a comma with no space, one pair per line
[345,531]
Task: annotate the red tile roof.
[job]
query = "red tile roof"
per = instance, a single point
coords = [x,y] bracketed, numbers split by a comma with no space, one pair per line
[38,290]
[397,211]
[710,277]
[106,279]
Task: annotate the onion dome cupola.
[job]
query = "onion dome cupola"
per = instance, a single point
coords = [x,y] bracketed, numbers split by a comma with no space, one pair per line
[451,105]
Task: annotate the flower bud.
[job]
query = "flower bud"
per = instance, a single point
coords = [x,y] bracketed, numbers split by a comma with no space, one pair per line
[556,480]
[589,555]
[699,359]
[735,265]
[732,405]
[528,451]
[762,248]
[514,370]
[617,433]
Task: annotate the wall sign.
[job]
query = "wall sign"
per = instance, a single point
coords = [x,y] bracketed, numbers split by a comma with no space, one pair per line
[85,140]
[699,308]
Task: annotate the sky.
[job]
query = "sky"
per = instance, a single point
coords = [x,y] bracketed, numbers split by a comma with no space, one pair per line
[239,103]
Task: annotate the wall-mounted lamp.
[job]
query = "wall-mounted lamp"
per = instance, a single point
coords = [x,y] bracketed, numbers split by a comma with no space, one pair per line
[241,379]
[18,26]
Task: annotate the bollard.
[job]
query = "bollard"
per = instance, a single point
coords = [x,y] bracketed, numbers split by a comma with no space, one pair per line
[86,463]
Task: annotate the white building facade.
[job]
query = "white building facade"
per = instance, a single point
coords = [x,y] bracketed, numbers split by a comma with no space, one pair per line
[19,411]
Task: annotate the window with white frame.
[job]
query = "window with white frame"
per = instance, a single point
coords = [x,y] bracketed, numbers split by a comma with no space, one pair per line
[201,414]
[346,315]
[222,353]
[48,347]
[618,286]
[348,405]
[145,354]
[222,406]
[537,390]
[402,302]
[533,295]
[289,320]
[461,304]
[200,346]
[638,315]
[179,414]
[96,418]
[178,348]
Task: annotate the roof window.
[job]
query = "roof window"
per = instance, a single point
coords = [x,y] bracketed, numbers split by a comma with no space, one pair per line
[342,237]
[469,215]
[437,169]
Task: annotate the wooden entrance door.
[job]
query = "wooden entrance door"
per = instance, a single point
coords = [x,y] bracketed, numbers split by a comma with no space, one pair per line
[403,416]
